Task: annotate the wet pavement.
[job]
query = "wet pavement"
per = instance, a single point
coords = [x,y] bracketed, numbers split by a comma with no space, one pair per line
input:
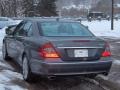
[12,79]
[114,76]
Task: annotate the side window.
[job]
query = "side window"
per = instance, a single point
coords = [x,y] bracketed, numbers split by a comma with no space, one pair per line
[24,30]
[18,28]
[30,32]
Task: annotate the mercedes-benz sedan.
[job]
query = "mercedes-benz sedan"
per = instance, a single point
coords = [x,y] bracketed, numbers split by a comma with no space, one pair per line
[56,47]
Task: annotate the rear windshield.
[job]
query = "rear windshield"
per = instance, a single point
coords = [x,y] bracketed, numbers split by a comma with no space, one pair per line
[63,29]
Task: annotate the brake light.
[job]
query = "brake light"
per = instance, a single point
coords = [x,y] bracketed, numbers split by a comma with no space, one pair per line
[107,51]
[48,51]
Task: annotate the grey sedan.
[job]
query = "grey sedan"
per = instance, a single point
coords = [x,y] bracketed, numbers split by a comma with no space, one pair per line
[56,47]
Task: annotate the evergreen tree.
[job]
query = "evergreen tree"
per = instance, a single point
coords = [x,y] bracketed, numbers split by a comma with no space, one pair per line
[47,8]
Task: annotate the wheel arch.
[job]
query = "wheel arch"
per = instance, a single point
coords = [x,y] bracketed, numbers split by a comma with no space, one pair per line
[23,54]
[27,54]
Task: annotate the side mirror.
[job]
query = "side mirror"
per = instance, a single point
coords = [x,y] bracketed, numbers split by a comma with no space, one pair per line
[8,31]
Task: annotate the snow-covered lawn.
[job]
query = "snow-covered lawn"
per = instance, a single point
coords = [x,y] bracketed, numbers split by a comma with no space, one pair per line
[103,28]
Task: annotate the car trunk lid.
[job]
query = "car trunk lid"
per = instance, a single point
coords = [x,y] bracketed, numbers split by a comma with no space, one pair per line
[79,48]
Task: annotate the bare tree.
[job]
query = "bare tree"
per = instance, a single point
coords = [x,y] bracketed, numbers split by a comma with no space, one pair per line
[10,8]
[47,8]
[28,7]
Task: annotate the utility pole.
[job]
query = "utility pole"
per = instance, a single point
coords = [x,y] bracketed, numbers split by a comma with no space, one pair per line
[112,16]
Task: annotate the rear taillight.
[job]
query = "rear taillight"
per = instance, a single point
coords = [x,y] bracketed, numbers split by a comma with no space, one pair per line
[107,51]
[48,51]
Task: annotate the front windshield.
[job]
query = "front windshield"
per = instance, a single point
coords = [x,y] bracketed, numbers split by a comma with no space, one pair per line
[63,29]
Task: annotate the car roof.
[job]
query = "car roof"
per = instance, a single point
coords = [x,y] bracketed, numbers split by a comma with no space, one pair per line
[48,19]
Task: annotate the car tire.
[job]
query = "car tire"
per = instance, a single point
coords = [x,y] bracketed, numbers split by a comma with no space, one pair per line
[4,52]
[27,74]
[106,73]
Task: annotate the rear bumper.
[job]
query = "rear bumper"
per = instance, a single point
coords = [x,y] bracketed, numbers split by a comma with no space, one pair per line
[71,68]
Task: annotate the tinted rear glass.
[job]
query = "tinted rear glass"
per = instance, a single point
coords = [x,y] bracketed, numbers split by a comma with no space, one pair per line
[63,29]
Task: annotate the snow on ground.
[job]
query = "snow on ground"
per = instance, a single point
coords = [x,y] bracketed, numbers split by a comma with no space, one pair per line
[6,78]
[8,75]
[2,34]
[117,62]
[117,42]
[103,28]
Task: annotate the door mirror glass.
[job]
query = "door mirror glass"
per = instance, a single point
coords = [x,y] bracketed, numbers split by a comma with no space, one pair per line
[9,30]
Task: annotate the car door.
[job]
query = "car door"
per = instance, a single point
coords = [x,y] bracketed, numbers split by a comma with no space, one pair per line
[11,41]
[21,40]
[9,36]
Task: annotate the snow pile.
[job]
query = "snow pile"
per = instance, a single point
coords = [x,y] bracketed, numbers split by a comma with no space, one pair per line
[103,28]
[116,62]
[2,34]
[2,31]
[5,65]
[117,42]
[3,87]
[7,74]
[6,77]
[118,5]
[15,22]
